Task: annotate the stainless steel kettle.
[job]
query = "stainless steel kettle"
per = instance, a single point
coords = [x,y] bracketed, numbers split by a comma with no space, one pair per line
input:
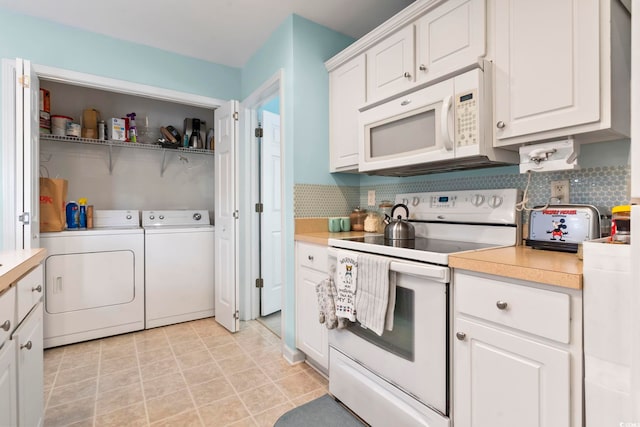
[399,228]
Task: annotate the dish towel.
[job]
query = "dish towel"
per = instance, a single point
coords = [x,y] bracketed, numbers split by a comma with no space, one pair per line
[346,283]
[325,292]
[376,283]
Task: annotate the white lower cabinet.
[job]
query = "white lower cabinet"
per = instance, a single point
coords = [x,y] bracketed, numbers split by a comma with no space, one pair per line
[312,337]
[509,370]
[8,389]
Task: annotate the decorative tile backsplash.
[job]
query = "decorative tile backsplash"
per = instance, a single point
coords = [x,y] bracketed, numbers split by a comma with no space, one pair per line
[600,186]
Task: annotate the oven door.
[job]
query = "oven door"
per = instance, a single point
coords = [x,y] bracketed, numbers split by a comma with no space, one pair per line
[413,129]
[413,356]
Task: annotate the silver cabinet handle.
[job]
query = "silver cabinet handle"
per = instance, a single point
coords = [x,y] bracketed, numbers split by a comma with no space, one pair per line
[28,345]
[423,67]
[310,257]
[37,289]
[407,75]
[502,305]
[500,124]
[461,336]
[6,325]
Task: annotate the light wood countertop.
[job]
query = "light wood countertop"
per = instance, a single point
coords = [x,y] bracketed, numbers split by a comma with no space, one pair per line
[314,230]
[16,264]
[521,262]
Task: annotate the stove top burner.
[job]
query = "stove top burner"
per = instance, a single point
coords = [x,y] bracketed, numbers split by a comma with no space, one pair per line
[423,244]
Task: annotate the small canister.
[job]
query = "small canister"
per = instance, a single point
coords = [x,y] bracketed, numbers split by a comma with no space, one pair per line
[101,130]
[90,216]
[385,208]
[621,224]
[357,219]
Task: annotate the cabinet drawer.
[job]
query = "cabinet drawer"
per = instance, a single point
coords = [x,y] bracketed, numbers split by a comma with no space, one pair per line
[7,313]
[313,256]
[30,289]
[536,311]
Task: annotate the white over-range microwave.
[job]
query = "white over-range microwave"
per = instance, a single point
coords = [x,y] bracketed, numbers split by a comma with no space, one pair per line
[445,126]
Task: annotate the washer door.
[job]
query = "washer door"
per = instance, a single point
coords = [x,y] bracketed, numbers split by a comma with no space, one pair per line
[88,280]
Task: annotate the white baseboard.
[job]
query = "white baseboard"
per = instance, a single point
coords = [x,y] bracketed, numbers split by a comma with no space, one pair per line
[292,355]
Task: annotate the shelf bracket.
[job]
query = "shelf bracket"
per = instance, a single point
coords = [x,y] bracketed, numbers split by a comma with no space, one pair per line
[163,167]
[110,160]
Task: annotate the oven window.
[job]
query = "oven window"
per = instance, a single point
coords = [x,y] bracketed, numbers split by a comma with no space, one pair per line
[399,341]
[416,132]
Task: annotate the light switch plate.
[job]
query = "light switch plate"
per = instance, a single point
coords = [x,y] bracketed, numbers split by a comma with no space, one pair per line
[371,198]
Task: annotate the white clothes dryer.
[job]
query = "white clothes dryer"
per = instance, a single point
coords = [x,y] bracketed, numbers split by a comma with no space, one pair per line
[179,280]
[94,279]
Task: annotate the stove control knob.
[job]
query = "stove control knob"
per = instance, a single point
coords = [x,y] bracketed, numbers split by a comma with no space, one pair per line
[494,201]
[161,217]
[197,216]
[151,217]
[477,199]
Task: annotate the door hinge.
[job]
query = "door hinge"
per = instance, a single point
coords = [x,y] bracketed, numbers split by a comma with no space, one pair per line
[24,218]
[259,282]
[236,315]
[235,115]
[236,214]
[259,207]
[259,132]
[24,81]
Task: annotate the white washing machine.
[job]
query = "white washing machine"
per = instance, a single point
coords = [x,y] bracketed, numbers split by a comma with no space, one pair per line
[178,266]
[94,279]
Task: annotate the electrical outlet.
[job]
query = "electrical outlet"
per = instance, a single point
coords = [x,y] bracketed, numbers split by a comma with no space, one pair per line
[371,198]
[560,191]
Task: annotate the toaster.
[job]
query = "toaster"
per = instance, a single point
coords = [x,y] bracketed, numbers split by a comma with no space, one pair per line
[564,227]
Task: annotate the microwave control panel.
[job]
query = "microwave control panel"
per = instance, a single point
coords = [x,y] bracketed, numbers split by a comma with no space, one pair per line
[467,120]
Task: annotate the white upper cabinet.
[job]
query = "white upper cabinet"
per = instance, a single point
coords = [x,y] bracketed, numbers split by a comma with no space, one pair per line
[450,38]
[560,71]
[391,65]
[347,92]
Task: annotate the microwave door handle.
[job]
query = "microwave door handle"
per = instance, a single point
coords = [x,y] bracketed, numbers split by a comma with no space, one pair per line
[447,142]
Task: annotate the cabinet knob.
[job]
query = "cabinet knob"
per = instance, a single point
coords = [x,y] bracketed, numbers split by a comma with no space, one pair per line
[423,67]
[502,305]
[37,289]
[310,257]
[461,336]
[407,75]
[28,345]
[6,325]
[500,124]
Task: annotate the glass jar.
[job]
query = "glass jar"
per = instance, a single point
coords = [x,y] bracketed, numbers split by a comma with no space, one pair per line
[385,207]
[372,222]
[357,218]
[621,224]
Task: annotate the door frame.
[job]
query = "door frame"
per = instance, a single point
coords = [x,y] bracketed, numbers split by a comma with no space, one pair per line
[249,158]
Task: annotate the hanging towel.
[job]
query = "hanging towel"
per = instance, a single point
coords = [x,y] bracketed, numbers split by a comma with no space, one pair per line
[325,291]
[374,287]
[346,282]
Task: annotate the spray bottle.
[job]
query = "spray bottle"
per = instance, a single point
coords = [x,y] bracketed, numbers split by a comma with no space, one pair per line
[133,133]
[82,218]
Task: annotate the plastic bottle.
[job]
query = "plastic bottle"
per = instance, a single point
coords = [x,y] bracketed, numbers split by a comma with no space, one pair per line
[133,133]
[72,215]
[82,217]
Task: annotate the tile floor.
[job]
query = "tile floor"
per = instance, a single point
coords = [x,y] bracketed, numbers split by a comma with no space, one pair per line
[189,374]
[273,322]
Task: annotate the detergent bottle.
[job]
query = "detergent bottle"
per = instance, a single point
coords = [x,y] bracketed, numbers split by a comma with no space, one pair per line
[72,215]
[82,217]
[133,132]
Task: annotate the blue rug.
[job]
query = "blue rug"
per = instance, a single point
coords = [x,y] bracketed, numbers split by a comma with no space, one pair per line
[321,412]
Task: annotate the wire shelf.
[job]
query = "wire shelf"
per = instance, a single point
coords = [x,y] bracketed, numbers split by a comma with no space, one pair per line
[112,143]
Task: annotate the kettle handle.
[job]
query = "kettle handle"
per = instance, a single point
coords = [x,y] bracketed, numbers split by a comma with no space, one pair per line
[400,205]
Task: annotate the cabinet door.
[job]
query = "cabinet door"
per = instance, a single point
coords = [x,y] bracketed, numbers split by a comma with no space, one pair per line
[311,335]
[29,349]
[347,91]
[547,70]
[439,50]
[390,65]
[503,380]
[8,405]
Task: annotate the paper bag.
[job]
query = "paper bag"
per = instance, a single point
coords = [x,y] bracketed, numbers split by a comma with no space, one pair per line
[53,194]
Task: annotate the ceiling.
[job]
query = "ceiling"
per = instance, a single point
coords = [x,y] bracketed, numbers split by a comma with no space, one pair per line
[222,31]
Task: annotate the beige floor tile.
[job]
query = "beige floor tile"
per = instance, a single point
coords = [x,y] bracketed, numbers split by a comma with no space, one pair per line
[217,340]
[130,416]
[54,353]
[236,363]
[119,398]
[169,405]
[223,412]
[247,422]
[298,384]
[110,366]
[320,379]
[182,337]
[159,369]
[262,398]
[188,347]
[245,380]
[185,419]
[305,398]
[49,379]
[82,373]
[82,423]
[201,374]
[74,391]
[191,360]
[51,365]
[270,416]
[152,344]
[118,379]
[117,340]
[266,355]
[280,368]
[149,334]
[118,351]
[68,413]
[227,351]
[209,392]
[75,360]
[163,385]
[154,356]
[82,347]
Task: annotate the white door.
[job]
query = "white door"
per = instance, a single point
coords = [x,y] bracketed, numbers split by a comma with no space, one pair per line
[225,265]
[271,225]
[27,156]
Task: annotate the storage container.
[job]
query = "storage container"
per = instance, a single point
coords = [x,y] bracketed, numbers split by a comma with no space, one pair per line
[621,224]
